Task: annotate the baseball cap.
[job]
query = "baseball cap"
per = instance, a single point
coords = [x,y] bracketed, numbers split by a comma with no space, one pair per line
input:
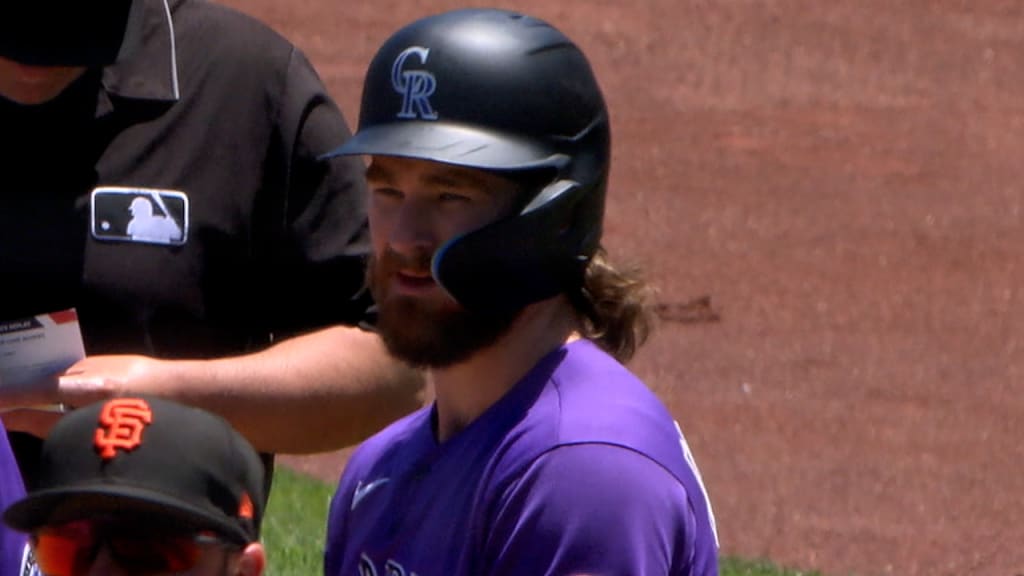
[67,32]
[150,457]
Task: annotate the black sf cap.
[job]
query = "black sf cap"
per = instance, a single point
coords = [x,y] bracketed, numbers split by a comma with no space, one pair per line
[148,457]
[66,32]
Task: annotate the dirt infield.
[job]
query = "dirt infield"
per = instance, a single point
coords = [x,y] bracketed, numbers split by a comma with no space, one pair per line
[843,180]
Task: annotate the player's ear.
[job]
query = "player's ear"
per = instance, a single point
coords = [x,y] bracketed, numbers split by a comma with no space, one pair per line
[252,562]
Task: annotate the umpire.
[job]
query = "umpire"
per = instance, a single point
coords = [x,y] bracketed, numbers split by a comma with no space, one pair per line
[162,179]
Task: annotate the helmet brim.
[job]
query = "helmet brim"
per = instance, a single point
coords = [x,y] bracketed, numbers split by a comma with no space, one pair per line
[449,144]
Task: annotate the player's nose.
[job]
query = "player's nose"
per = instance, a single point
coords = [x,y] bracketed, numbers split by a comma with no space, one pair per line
[413,230]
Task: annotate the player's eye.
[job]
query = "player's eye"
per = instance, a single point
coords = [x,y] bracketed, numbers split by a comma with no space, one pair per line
[387,193]
[454,197]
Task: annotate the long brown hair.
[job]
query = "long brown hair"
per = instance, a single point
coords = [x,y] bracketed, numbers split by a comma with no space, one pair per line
[614,306]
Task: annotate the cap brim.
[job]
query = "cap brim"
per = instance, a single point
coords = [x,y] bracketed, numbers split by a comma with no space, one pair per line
[64,505]
[450,144]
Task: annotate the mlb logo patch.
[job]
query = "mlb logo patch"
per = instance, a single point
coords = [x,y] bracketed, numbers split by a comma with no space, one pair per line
[145,215]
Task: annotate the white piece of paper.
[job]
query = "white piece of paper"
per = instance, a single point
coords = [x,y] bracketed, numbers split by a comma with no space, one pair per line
[39,347]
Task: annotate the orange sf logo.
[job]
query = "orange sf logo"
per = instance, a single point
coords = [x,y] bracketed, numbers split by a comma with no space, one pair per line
[245,506]
[121,423]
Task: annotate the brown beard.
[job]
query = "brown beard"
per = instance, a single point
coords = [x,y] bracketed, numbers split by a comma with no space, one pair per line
[428,333]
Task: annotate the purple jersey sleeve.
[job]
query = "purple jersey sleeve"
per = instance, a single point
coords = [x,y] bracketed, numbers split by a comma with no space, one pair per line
[12,544]
[597,509]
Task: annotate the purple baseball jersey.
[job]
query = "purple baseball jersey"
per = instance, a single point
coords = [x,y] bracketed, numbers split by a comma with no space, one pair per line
[12,543]
[579,469]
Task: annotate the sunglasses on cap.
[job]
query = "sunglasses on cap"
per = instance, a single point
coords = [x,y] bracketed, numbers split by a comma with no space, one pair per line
[70,549]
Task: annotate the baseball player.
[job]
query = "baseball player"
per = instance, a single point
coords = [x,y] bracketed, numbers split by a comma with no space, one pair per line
[488,142]
[246,298]
[143,486]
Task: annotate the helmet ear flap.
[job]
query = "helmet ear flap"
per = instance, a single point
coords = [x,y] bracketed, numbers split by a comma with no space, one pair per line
[534,255]
[549,193]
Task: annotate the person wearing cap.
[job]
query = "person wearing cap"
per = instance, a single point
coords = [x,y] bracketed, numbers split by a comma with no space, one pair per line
[248,300]
[489,152]
[144,486]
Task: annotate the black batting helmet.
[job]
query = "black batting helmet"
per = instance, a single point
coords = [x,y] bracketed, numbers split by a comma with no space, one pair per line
[500,91]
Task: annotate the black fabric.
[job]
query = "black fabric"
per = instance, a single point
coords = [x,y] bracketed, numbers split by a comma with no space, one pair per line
[41,245]
[26,449]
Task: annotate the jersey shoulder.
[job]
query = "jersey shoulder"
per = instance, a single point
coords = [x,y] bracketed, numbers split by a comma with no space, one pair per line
[578,499]
[592,398]
[598,448]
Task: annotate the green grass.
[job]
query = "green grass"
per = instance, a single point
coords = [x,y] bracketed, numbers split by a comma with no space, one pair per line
[293,527]
[293,531]
[737,567]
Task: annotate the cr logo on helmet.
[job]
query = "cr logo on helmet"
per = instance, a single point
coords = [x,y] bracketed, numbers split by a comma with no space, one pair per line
[415,86]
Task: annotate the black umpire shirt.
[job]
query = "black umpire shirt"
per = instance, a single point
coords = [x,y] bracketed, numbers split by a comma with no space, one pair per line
[175,198]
